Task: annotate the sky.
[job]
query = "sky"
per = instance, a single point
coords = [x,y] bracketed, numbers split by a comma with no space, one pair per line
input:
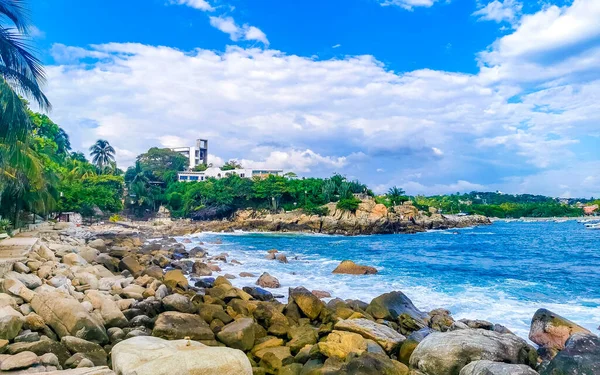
[434,96]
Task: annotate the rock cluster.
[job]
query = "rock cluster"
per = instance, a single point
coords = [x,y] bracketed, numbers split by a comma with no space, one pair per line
[102,303]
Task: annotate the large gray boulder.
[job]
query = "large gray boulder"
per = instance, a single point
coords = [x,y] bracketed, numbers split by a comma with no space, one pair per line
[581,356]
[238,334]
[496,368]
[446,353]
[10,323]
[154,356]
[391,305]
[68,317]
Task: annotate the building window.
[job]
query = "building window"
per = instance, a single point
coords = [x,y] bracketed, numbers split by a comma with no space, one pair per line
[242,175]
[202,178]
[193,178]
[219,175]
[183,178]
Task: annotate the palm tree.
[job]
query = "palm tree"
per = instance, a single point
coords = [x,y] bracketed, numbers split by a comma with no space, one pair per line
[396,195]
[102,154]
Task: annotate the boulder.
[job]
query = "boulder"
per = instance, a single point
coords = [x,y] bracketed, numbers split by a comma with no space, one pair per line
[581,355]
[391,305]
[551,331]
[7,300]
[10,323]
[446,353]
[408,346]
[131,264]
[109,310]
[495,368]
[340,344]
[68,317]
[201,269]
[30,280]
[389,339]
[258,293]
[178,302]
[267,281]
[97,244]
[174,279]
[350,268]
[45,345]
[19,361]
[238,334]
[74,259]
[375,364]
[308,303]
[154,356]
[16,288]
[92,351]
[175,325]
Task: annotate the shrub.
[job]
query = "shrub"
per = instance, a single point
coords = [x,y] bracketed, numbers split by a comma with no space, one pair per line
[316,210]
[348,204]
[114,218]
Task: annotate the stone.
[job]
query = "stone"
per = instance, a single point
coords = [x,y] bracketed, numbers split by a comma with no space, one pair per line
[27,336]
[178,302]
[496,368]
[340,344]
[10,323]
[45,345]
[89,254]
[173,325]
[321,294]
[308,303]
[109,310]
[92,351]
[389,339]
[16,288]
[301,336]
[21,268]
[49,359]
[68,317]
[207,282]
[350,268]
[30,280]
[201,269]
[446,353]
[267,281]
[174,279]
[390,306]
[375,364]
[580,356]
[246,274]
[238,334]
[34,322]
[154,271]
[154,356]
[97,244]
[7,300]
[3,345]
[551,331]
[74,259]
[281,258]
[131,264]
[19,361]
[258,293]
[408,346]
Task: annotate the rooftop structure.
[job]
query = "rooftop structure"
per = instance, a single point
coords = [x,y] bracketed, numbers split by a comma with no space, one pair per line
[217,173]
[196,155]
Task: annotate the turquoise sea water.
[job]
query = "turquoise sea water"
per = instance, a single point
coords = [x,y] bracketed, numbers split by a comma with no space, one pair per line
[501,273]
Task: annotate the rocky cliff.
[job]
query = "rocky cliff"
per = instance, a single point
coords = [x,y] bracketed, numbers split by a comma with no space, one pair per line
[369,218]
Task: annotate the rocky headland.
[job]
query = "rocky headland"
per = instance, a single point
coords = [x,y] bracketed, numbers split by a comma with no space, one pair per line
[100,302]
[369,218]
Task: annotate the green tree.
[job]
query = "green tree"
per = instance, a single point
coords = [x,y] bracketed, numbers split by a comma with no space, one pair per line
[396,195]
[102,154]
[162,163]
[231,165]
[271,188]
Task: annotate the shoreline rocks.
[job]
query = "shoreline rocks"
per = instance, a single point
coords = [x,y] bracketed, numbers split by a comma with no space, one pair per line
[128,305]
[351,268]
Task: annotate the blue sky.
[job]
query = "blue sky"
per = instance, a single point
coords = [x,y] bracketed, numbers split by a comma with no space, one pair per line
[434,96]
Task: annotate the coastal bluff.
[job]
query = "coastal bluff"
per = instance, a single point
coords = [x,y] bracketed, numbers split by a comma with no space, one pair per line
[369,218]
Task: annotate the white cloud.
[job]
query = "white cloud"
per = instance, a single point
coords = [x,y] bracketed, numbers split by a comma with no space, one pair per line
[336,46]
[245,32]
[500,11]
[495,129]
[36,33]
[407,4]
[197,4]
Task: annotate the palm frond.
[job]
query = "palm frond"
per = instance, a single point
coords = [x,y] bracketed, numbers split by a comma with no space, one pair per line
[23,69]
[15,11]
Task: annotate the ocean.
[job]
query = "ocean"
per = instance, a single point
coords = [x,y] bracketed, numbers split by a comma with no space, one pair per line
[501,273]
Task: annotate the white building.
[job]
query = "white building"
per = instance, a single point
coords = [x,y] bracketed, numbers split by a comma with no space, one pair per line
[196,155]
[190,176]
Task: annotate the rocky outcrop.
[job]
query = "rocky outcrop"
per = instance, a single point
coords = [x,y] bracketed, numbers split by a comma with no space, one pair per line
[369,218]
[389,339]
[154,356]
[446,353]
[350,268]
[391,305]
